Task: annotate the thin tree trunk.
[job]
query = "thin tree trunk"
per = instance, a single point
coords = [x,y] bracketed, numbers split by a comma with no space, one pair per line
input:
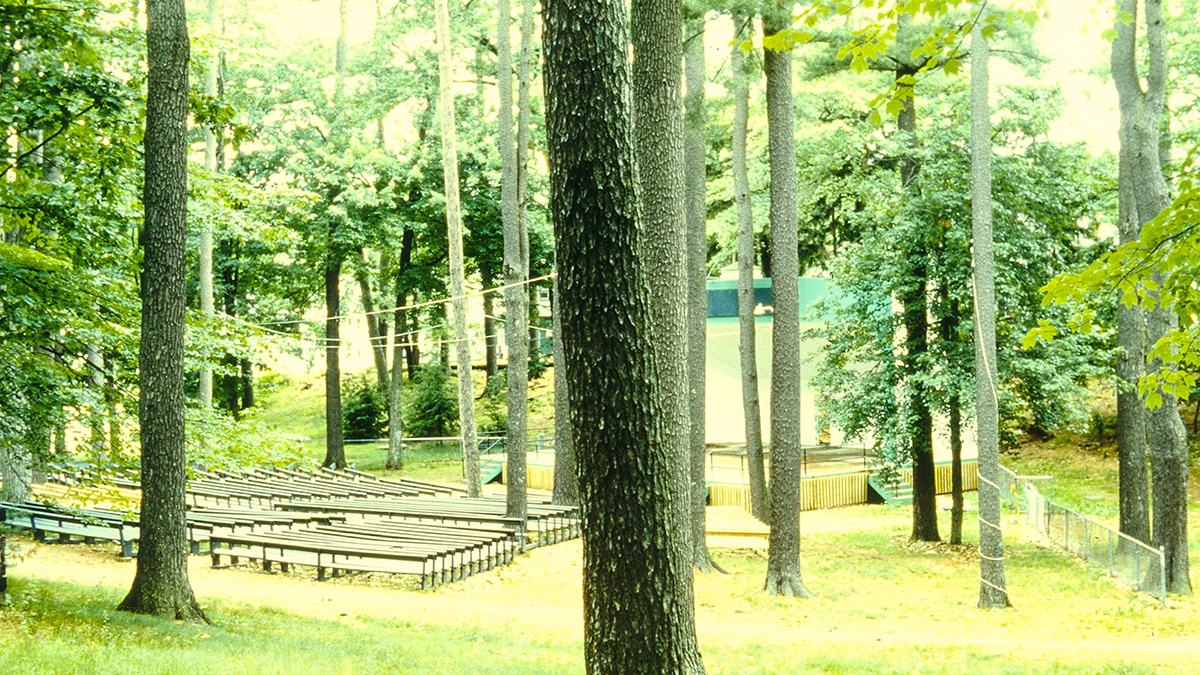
[395,452]
[515,297]
[206,234]
[783,546]
[566,475]
[160,584]
[697,272]
[247,384]
[375,334]
[746,257]
[638,610]
[466,389]
[993,591]
[335,449]
[95,366]
[490,337]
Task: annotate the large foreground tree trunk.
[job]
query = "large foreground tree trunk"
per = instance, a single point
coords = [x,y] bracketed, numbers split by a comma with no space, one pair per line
[160,585]
[783,548]
[1143,194]
[466,388]
[638,612]
[746,257]
[993,591]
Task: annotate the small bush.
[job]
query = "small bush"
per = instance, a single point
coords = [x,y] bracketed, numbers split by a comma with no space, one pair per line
[434,407]
[493,407]
[364,409]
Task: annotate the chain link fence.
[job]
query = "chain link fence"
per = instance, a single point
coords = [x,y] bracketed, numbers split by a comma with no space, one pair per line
[1133,563]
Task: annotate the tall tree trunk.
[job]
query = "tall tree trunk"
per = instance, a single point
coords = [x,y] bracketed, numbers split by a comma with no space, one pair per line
[993,591]
[1134,488]
[746,257]
[16,470]
[206,234]
[466,389]
[160,585]
[1143,191]
[247,384]
[335,449]
[949,336]
[376,334]
[112,399]
[95,366]
[657,38]
[914,303]
[515,263]
[395,452]
[566,475]
[490,337]
[783,546]
[697,271]
[638,610]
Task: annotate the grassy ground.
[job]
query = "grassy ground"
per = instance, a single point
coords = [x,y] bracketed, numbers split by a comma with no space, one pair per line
[882,605]
[298,407]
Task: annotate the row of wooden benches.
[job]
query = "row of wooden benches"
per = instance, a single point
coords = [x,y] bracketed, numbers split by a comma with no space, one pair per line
[438,553]
[262,487]
[94,524]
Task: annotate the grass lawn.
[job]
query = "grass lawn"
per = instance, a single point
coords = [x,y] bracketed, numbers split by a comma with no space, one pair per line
[882,606]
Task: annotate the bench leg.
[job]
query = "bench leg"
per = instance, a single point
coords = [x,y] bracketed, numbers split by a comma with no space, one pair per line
[320,574]
[283,567]
[126,548]
[266,565]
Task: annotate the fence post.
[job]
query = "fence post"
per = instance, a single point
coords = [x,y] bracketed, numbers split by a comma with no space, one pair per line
[1162,574]
[1067,529]
[1137,567]
[1087,539]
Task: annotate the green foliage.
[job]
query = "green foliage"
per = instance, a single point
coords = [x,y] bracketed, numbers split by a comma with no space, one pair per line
[433,410]
[1045,194]
[491,413]
[364,408]
[218,440]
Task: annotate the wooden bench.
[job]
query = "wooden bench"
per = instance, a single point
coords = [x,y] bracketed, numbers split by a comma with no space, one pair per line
[331,556]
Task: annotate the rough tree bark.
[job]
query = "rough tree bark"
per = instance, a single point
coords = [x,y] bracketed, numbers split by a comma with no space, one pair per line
[697,273]
[1142,194]
[992,588]
[516,299]
[160,584]
[657,37]
[638,611]
[566,476]
[783,547]
[949,334]
[466,389]
[746,256]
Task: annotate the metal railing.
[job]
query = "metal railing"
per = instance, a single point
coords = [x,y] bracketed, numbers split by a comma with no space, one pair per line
[733,467]
[1135,564]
